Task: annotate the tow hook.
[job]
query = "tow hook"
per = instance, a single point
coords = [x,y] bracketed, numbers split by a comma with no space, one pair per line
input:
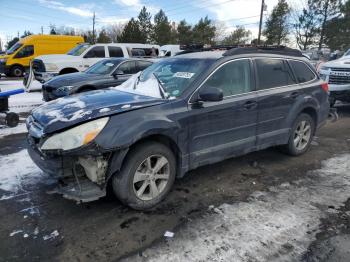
[333,115]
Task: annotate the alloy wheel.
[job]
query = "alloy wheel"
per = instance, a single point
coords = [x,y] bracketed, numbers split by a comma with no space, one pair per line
[302,135]
[151,177]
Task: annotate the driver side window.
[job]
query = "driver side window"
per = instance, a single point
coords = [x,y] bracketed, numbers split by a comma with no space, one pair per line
[233,78]
[26,51]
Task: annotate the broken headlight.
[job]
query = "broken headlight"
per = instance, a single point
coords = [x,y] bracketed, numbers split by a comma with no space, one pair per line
[76,136]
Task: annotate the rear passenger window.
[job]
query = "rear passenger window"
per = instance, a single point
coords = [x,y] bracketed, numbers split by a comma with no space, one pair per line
[232,78]
[302,72]
[97,51]
[115,51]
[273,73]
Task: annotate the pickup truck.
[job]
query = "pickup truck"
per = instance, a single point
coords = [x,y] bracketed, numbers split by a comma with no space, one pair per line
[85,55]
[337,74]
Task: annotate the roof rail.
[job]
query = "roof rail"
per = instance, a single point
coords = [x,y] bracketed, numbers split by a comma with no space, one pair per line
[192,48]
[264,49]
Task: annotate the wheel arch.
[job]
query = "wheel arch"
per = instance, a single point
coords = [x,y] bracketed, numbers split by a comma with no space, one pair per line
[68,70]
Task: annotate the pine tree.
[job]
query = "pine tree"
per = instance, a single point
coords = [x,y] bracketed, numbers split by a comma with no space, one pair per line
[161,29]
[184,33]
[144,20]
[337,30]
[306,26]
[239,36]
[103,37]
[276,27]
[204,31]
[326,9]
[131,32]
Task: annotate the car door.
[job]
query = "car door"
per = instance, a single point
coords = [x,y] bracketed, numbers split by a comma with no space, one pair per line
[277,92]
[124,71]
[95,54]
[218,130]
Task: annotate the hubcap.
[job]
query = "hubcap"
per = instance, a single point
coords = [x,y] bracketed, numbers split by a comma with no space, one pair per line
[17,72]
[151,177]
[302,135]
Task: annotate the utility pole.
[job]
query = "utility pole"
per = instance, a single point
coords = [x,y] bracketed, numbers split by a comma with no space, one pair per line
[42,30]
[261,19]
[93,29]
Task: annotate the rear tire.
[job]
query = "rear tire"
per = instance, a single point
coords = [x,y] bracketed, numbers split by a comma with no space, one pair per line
[17,71]
[301,135]
[146,177]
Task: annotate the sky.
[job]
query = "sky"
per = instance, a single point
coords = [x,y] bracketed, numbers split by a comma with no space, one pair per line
[19,15]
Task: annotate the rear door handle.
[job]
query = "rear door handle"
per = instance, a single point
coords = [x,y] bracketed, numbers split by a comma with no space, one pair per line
[250,104]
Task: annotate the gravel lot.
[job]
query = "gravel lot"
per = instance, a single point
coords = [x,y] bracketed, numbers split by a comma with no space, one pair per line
[265,206]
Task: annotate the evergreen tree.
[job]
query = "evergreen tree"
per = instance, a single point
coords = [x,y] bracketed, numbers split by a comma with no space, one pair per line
[337,30]
[161,29]
[12,42]
[184,33]
[26,33]
[306,26]
[131,32]
[204,31]
[239,36]
[144,20]
[326,9]
[276,27]
[103,37]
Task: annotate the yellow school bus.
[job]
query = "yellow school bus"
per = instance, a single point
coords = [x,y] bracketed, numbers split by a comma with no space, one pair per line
[18,57]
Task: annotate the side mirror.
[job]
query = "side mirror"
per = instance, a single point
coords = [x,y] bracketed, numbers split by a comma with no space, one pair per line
[210,94]
[118,73]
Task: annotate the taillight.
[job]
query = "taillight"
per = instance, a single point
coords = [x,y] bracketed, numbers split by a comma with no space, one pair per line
[325,87]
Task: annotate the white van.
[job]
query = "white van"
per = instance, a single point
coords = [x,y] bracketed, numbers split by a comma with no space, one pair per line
[169,50]
[84,55]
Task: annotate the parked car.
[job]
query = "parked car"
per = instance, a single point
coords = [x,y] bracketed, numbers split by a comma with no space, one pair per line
[85,55]
[178,114]
[169,50]
[337,74]
[18,57]
[103,74]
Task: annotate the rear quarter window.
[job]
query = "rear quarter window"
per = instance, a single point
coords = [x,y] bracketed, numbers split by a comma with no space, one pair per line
[302,72]
[273,73]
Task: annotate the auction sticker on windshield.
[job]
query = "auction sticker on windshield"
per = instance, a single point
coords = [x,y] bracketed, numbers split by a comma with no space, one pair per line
[183,74]
[109,64]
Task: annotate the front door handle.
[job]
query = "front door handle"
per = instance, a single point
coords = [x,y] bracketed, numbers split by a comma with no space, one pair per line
[293,95]
[250,105]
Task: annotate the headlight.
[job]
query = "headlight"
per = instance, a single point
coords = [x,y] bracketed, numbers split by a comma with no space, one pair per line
[3,60]
[51,67]
[64,89]
[75,137]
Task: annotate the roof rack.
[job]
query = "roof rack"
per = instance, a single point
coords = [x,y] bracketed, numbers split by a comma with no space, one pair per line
[192,48]
[264,49]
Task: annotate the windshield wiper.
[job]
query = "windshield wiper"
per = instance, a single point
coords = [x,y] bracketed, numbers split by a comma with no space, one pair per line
[137,80]
[161,87]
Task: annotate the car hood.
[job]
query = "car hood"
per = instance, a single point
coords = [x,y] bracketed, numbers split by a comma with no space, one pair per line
[341,62]
[69,111]
[73,78]
[58,58]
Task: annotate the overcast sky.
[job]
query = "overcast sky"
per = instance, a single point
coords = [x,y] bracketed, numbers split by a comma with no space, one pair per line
[19,15]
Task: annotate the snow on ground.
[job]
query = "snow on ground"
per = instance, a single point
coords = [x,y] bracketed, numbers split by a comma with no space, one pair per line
[6,131]
[24,102]
[277,225]
[18,171]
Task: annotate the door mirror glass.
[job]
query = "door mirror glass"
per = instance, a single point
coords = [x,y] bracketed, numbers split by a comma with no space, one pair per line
[210,94]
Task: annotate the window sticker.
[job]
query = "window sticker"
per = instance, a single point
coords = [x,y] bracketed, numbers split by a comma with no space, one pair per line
[109,64]
[183,74]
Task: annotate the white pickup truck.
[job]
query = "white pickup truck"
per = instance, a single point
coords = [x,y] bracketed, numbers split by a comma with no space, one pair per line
[84,55]
[337,74]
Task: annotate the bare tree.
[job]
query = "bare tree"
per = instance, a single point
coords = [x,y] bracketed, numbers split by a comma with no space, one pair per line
[114,30]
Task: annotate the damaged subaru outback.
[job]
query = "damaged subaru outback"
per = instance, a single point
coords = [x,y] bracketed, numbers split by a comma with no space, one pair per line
[178,114]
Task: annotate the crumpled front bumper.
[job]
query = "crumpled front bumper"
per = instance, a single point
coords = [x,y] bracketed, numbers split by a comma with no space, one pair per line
[73,183]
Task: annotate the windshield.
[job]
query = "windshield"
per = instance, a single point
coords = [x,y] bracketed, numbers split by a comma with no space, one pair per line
[174,74]
[14,48]
[78,50]
[103,67]
[347,53]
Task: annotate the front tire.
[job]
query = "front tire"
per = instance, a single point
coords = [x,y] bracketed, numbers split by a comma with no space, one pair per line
[17,71]
[146,177]
[301,135]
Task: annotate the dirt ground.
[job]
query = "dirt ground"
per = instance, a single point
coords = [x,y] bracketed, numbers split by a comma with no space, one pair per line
[105,230]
